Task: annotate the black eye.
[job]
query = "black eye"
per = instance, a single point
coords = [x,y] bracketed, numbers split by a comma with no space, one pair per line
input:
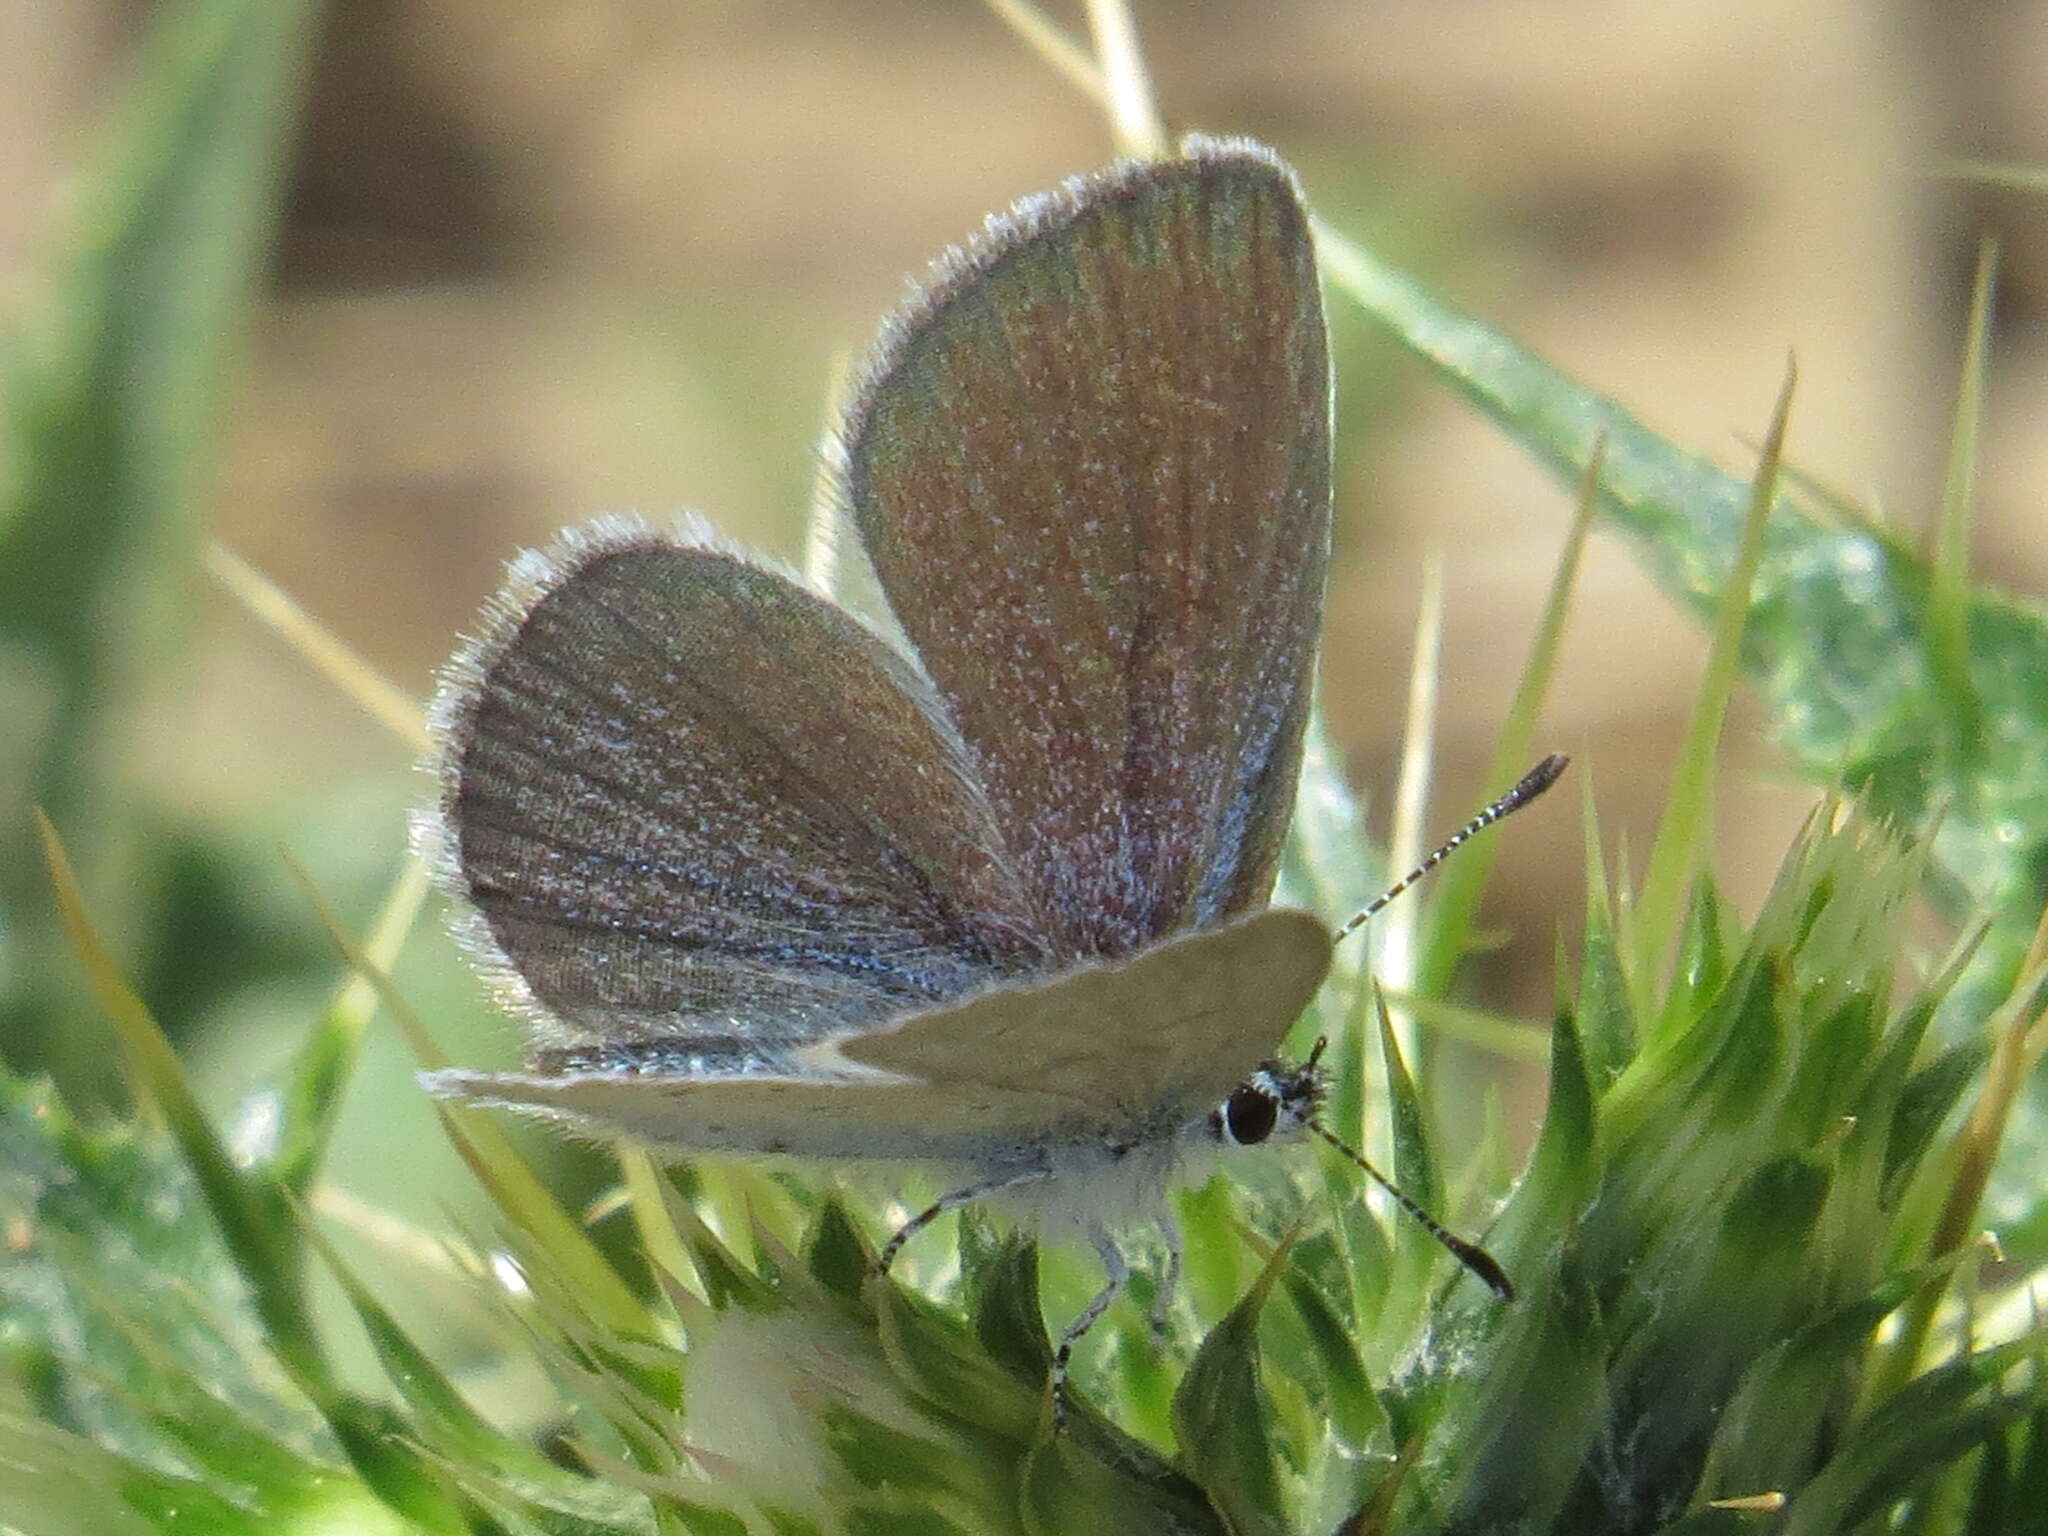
[1249,1115]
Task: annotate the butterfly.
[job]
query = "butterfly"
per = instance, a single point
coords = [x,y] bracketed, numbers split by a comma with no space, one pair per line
[986,884]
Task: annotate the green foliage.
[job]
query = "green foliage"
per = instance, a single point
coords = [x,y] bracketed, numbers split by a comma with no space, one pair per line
[1846,622]
[110,399]
[1721,1209]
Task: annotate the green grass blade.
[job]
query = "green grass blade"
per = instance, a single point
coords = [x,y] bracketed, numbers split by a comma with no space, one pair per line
[55,1481]
[1415,1170]
[1948,586]
[1221,1419]
[112,383]
[1454,904]
[1996,173]
[478,1139]
[1684,831]
[1838,642]
[326,1059]
[440,1418]
[111,405]
[248,1214]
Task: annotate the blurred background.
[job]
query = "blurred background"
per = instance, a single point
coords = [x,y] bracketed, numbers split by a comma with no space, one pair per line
[542,262]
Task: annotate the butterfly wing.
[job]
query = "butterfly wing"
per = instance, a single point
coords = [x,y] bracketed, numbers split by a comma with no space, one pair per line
[833,1118]
[1135,1047]
[1091,468]
[1145,1041]
[685,797]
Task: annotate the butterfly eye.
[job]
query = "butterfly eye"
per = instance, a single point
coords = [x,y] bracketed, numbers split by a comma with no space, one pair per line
[1249,1115]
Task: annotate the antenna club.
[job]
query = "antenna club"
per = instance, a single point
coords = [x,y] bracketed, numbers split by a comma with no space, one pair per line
[1471,1255]
[1541,777]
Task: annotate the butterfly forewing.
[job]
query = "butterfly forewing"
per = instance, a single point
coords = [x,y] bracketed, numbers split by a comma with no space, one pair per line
[1091,467]
[687,797]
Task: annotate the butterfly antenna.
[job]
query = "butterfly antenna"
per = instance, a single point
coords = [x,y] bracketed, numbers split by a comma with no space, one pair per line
[1471,1255]
[1527,788]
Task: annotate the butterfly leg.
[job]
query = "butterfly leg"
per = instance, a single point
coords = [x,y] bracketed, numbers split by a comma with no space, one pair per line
[1119,1276]
[952,1202]
[1169,1283]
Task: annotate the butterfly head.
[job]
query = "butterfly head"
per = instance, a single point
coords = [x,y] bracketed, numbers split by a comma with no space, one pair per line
[1276,1098]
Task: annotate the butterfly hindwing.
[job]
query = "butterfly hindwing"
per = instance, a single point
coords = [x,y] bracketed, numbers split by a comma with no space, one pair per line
[1099,1055]
[833,1118]
[1156,1037]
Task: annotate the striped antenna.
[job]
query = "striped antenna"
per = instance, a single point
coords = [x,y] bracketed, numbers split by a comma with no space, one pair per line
[1527,788]
[1471,1255]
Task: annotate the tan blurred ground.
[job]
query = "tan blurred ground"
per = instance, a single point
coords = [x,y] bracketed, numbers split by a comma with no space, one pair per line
[552,260]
